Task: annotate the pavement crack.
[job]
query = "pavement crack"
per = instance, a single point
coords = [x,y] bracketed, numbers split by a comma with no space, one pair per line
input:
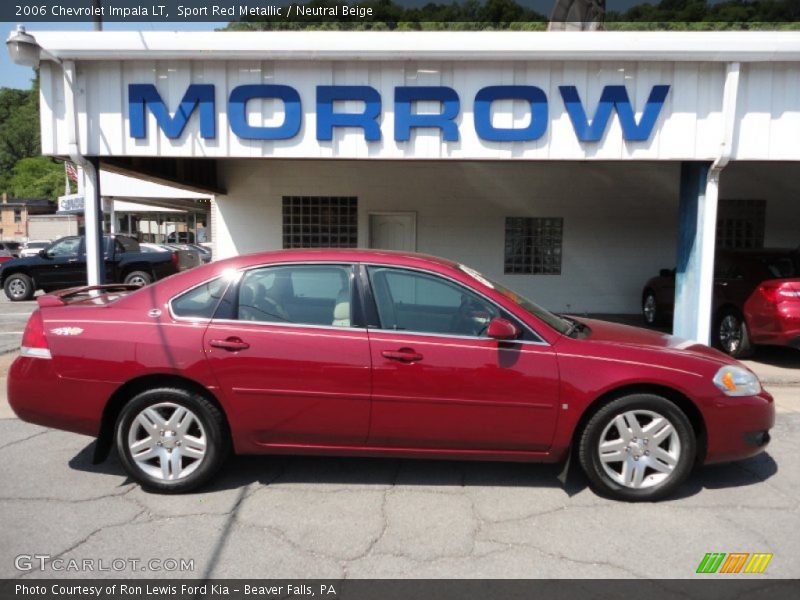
[25,439]
[83,541]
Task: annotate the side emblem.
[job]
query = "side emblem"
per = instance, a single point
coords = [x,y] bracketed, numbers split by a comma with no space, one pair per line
[66,331]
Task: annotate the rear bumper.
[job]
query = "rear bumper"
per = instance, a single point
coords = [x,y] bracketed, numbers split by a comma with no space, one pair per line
[738,428]
[779,327]
[38,395]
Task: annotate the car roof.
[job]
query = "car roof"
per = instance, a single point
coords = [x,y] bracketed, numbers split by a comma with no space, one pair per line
[340,254]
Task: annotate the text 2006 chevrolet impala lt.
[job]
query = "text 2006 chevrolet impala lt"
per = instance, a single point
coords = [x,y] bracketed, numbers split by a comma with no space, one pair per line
[348,352]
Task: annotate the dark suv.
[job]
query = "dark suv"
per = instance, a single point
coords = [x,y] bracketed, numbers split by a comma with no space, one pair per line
[746,282]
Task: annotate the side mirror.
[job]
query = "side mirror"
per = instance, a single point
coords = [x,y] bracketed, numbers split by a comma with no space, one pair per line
[502,329]
[43,252]
[665,273]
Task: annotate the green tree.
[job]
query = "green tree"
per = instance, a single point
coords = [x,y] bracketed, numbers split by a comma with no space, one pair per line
[36,177]
[19,127]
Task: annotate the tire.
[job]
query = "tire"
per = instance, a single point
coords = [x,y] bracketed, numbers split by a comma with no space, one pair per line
[731,335]
[141,278]
[654,465]
[650,313]
[161,440]
[19,287]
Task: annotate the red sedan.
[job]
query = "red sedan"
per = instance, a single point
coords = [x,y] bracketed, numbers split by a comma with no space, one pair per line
[350,352]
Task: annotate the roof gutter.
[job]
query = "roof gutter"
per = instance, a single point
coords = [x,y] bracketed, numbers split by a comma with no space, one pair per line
[447,46]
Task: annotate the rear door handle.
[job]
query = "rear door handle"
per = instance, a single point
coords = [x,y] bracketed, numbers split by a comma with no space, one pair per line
[403,355]
[231,344]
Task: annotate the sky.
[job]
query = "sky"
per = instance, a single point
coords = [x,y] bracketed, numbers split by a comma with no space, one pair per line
[12,75]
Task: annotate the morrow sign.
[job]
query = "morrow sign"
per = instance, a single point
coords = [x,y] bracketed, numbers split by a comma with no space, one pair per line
[202,99]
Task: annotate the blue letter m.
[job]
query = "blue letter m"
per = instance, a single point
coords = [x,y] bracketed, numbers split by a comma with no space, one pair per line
[145,95]
[614,97]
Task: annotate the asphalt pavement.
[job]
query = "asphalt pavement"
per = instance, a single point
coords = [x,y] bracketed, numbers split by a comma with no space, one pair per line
[13,316]
[284,517]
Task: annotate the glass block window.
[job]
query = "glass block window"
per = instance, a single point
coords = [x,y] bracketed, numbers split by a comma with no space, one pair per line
[320,222]
[740,223]
[533,245]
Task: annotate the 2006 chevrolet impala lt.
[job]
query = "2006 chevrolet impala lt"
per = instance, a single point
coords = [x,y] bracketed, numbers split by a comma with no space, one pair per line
[351,352]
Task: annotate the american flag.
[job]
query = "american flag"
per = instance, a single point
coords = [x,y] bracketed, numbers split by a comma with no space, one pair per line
[71,171]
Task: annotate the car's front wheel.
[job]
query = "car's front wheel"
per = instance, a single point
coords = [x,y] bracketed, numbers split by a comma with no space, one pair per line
[171,440]
[638,448]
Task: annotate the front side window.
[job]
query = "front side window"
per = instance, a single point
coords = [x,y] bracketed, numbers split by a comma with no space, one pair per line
[297,294]
[200,302]
[423,303]
[66,247]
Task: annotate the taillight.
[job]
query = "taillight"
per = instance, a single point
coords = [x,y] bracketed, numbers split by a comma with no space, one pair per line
[779,292]
[34,342]
[175,260]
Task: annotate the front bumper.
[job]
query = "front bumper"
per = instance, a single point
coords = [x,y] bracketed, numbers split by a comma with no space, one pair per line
[738,428]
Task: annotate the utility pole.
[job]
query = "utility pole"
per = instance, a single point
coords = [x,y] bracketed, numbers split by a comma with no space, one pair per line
[98,18]
[577,15]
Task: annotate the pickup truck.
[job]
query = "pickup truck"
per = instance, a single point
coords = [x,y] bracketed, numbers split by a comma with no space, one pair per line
[62,264]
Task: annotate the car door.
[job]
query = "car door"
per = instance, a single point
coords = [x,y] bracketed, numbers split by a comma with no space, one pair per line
[64,265]
[291,357]
[439,382]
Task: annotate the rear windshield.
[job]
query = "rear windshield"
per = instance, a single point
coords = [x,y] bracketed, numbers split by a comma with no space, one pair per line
[781,267]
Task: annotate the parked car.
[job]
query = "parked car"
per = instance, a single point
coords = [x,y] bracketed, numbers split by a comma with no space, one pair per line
[756,299]
[188,258]
[13,248]
[373,353]
[62,264]
[205,252]
[32,247]
[180,237]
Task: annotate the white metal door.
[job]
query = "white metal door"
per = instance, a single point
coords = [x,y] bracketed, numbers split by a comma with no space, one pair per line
[393,231]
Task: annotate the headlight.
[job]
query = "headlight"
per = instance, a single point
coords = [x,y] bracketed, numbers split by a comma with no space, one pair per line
[736,381]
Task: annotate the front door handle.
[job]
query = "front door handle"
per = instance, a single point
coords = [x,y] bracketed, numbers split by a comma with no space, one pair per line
[231,344]
[403,355]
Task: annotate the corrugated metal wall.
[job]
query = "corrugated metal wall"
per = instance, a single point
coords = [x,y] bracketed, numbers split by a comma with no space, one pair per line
[689,126]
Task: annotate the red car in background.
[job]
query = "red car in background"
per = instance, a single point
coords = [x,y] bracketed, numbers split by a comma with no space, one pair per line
[348,352]
[756,299]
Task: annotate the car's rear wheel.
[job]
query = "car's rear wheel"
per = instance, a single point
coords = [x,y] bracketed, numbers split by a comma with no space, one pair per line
[18,287]
[638,448]
[650,312]
[171,440]
[731,335]
[140,278]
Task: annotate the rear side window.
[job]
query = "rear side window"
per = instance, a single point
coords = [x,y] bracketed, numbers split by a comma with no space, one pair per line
[200,302]
[298,294]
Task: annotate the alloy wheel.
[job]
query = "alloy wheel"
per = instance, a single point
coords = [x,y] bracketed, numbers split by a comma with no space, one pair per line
[17,288]
[649,309]
[639,449]
[730,333]
[137,281]
[167,441]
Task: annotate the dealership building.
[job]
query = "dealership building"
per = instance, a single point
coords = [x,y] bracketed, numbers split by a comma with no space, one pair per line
[570,166]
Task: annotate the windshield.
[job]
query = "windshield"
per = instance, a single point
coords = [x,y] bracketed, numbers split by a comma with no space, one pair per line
[560,324]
